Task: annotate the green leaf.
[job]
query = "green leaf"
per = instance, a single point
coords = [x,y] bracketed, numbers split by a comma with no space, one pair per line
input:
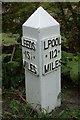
[70,64]
[64,41]
[15,105]
[9,39]
[66,63]
[74,71]
[13,64]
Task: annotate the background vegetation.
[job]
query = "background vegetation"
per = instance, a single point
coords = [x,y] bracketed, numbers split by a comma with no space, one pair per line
[13,16]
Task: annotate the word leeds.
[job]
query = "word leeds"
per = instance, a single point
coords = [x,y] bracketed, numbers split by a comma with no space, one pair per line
[29,44]
[51,54]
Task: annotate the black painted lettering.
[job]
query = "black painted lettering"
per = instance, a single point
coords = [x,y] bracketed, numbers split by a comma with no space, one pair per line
[49,43]
[50,66]
[33,46]
[53,42]
[33,68]
[56,63]
[30,67]
[27,54]
[50,54]
[24,41]
[55,53]
[57,41]
[46,68]
[29,44]
[53,67]
[45,47]
[60,62]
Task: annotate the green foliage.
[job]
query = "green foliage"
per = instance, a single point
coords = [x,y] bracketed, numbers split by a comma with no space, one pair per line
[12,74]
[21,110]
[12,69]
[60,96]
[68,113]
[67,14]
[17,15]
[74,69]
[12,22]
[3,56]
[25,111]
[64,43]
[15,106]
[9,39]
[70,64]
[13,64]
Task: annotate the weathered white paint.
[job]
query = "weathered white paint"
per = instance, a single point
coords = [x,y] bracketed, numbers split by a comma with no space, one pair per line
[42,88]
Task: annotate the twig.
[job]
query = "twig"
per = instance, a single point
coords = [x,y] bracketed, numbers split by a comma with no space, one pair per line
[23,99]
[20,95]
[7,113]
[12,53]
[33,109]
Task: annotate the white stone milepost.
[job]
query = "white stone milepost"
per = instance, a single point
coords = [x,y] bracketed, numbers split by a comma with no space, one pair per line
[41,50]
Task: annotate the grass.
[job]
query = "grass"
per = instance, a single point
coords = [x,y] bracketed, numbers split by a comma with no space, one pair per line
[15,106]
